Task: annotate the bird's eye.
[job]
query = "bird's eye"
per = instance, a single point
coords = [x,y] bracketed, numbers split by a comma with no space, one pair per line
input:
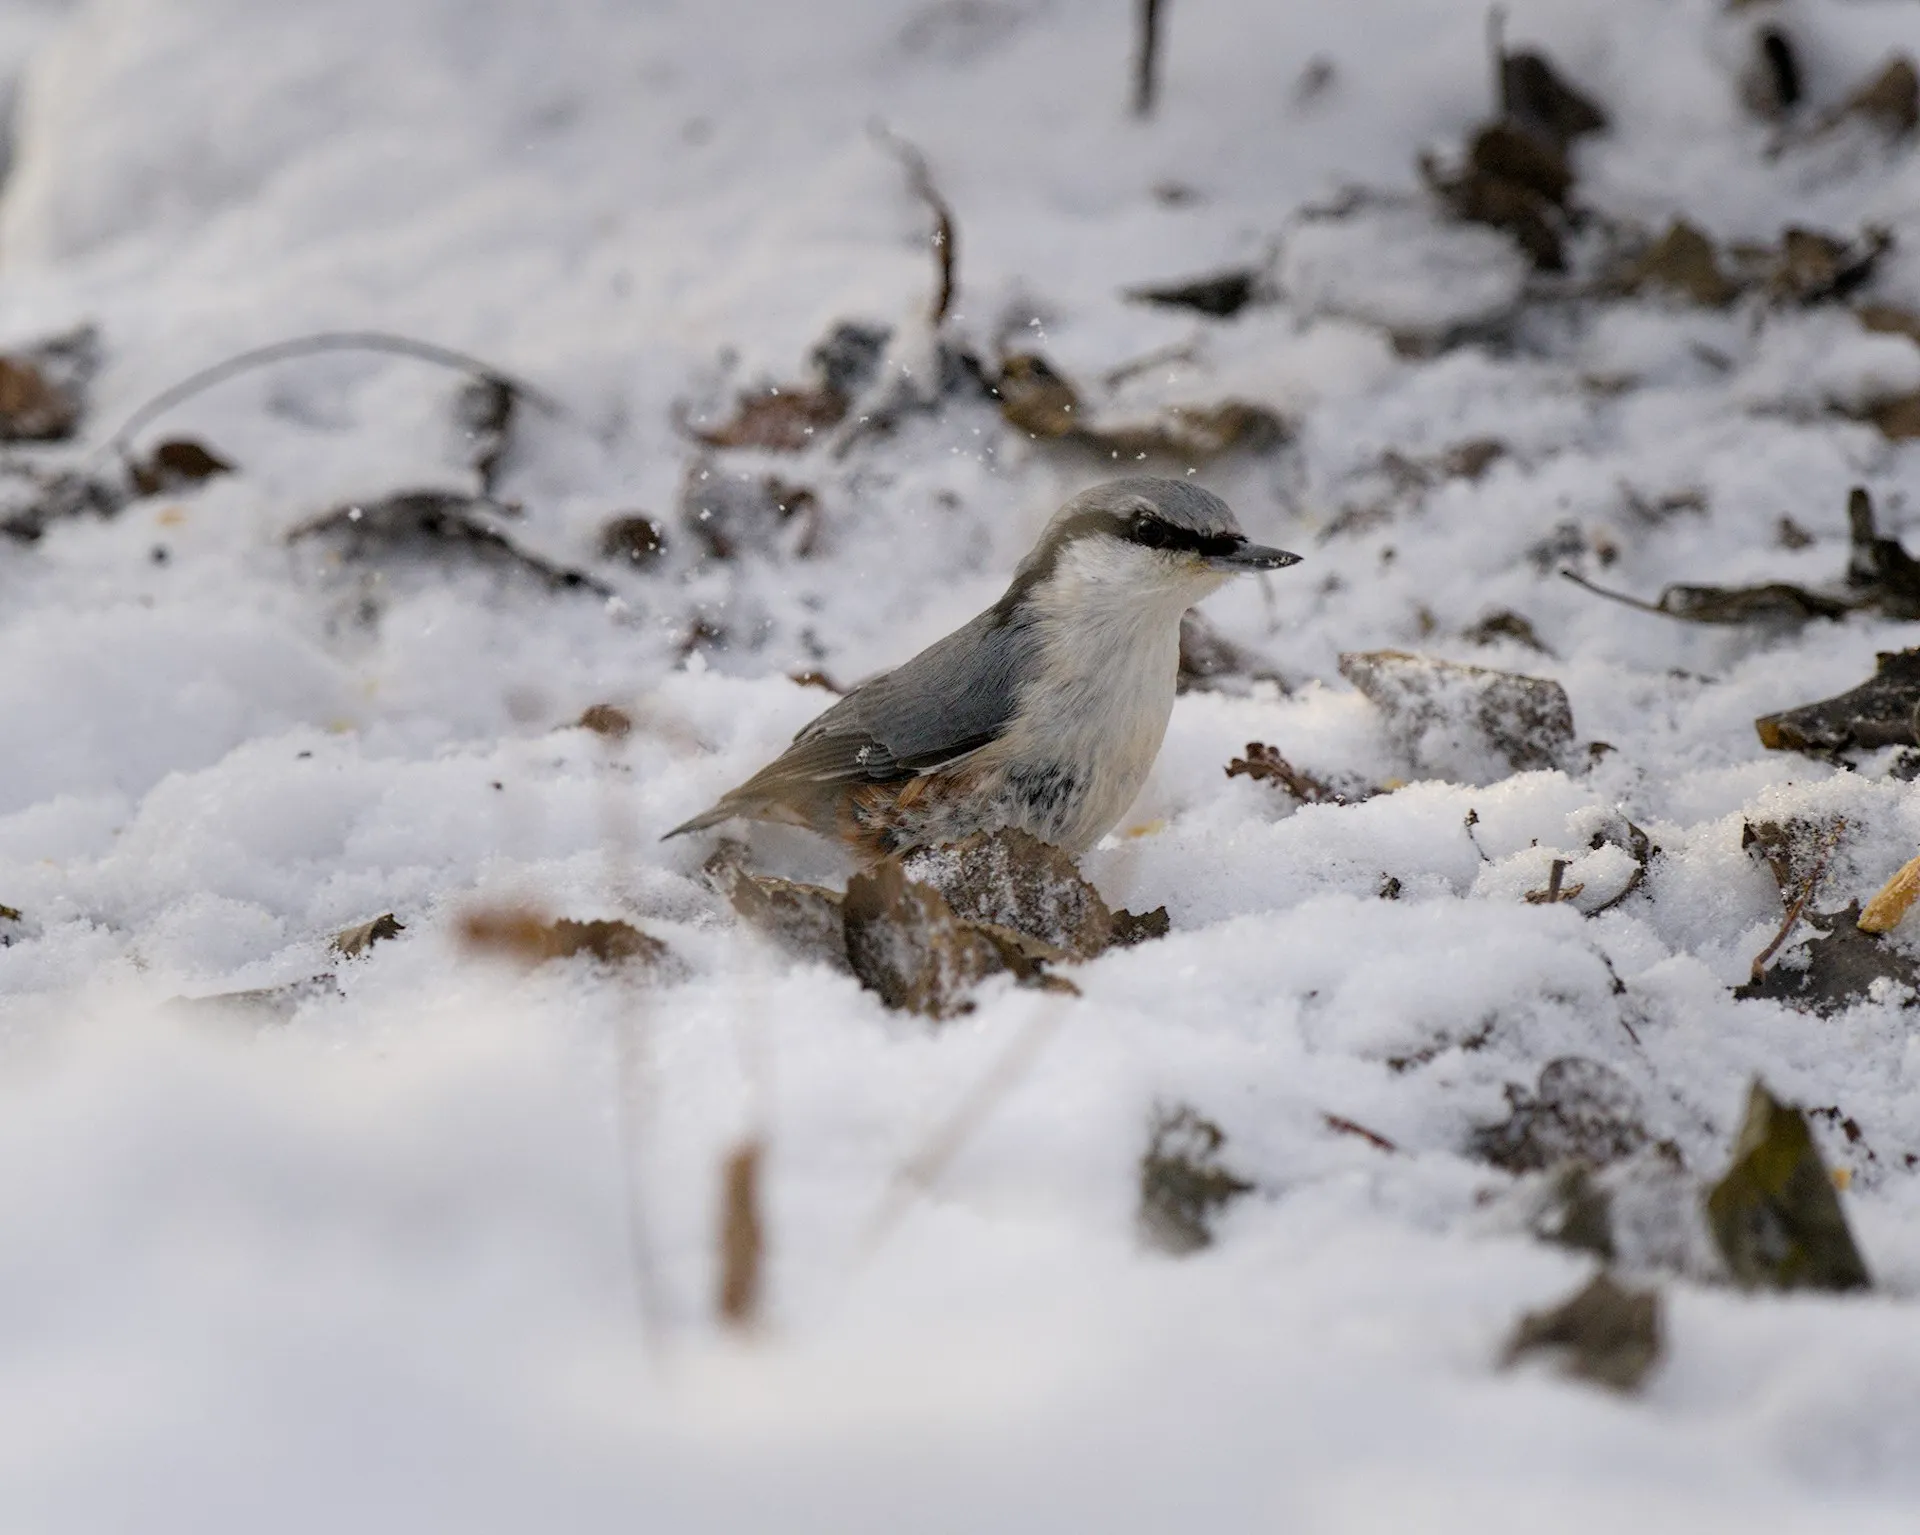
[1149,532]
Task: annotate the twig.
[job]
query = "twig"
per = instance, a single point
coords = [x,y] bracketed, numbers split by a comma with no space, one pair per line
[1345,1126]
[1146,59]
[1497,53]
[923,1169]
[308,346]
[946,239]
[1621,597]
[1799,905]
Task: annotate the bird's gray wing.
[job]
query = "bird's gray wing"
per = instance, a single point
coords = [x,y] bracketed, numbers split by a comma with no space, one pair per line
[953,698]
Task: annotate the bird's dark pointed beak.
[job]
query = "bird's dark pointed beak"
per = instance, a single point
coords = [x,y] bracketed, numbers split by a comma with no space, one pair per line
[1253,557]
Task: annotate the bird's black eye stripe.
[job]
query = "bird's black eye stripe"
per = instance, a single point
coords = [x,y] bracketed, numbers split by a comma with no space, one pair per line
[1152,532]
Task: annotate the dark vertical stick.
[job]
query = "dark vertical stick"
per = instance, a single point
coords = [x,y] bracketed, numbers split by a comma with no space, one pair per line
[1146,63]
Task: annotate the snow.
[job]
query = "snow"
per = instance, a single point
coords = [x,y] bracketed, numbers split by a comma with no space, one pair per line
[374,1265]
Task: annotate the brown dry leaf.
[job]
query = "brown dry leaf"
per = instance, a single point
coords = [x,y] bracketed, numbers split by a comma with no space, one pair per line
[1896,897]
[1682,262]
[1775,1215]
[1604,1333]
[1505,625]
[1189,432]
[1264,764]
[1890,100]
[1533,218]
[355,941]
[531,938]
[1536,98]
[1182,1185]
[779,420]
[1130,928]
[742,1238]
[1459,720]
[607,720]
[1011,879]
[805,920]
[175,465]
[1898,419]
[632,540]
[905,943]
[265,1004]
[1035,398]
[1886,320]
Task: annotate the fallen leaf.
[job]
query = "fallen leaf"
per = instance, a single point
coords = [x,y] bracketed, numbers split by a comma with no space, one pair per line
[905,943]
[1775,1215]
[355,941]
[1771,83]
[421,523]
[632,540]
[175,465]
[1841,967]
[1013,880]
[1683,263]
[1536,98]
[1130,928]
[805,920]
[1182,1185]
[1505,625]
[1880,712]
[1264,764]
[42,387]
[1035,398]
[1890,100]
[1458,720]
[531,938]
[606,720]
[1220,294]
[778,420]
[1580,1111]
[1886,320]
[1604,1333]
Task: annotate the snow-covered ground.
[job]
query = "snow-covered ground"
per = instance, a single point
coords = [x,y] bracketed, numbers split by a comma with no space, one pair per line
[438,1250]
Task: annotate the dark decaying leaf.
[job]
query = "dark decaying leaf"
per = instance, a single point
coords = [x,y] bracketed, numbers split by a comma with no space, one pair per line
[1537,100]
[175,465]
[778,420]
[1505,625]
[1035,398]
[608,720]
[1841,966]
[1775,1215]
[354,941]
[1580,1111]
[34,498]
[1811,268]
[1889,320]
[1135,927]
[1578,1213]
[733,514]
[10,914]
[423,524]
[1771,85]
[43,387]
[1880,576]
[1795,851]
[1220,294]
[1880,712]
[1604,1333]
[1455,719]
[1479,193]
[632,540]
[905,943]
[532,938]
[1264,764]
[742,1240]
[1013,880]
[1898,419]
[804,920]
[265,1004]
[1182,1184]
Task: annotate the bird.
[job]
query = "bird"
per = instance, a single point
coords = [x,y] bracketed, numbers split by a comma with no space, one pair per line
[1044,713]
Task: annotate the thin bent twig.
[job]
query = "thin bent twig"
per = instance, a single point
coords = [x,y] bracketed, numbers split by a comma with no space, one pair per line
[308,346]
[1798,907]
[946,238]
